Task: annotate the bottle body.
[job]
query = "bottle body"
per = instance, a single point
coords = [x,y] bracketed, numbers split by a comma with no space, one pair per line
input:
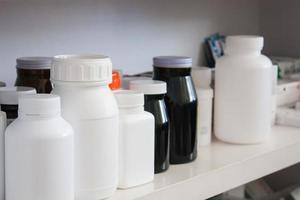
[136,148]
[2,176]
[92,111]
[39,159]
[181,102]
[155,104]
[243,96]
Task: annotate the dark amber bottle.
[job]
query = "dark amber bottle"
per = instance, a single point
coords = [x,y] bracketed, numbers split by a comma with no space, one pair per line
[34,72]
[181,102]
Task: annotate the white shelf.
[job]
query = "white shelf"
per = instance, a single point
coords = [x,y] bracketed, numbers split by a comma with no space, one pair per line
[220,168]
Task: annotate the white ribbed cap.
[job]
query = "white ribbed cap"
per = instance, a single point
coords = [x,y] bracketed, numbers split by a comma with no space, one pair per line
[244,42]
[148,87]
[81,68]
[39,105]
[129,98]
[10,95]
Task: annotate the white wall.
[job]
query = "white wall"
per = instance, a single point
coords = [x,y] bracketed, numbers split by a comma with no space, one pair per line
[131,32]
[280,26]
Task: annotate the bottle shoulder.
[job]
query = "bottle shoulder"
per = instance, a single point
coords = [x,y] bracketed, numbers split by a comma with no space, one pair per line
[40,129]
[87,104]
[139,116]
[236,61]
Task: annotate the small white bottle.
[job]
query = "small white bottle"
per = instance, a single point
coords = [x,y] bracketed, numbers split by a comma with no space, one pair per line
[202,77]
[243,92]
[90,107]
[2,131]
[136,164]
[204,118]
[39,151]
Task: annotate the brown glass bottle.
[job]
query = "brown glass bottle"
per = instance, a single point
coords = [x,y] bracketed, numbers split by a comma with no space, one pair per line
[34,72]
[181,102]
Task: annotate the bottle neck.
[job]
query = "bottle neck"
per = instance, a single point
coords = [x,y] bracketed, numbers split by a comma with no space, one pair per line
[131,110]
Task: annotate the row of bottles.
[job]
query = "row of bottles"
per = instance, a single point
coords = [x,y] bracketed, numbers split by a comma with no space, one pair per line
[84,140]
[110,139]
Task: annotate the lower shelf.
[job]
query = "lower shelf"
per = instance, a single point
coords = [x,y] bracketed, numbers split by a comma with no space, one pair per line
[221,167]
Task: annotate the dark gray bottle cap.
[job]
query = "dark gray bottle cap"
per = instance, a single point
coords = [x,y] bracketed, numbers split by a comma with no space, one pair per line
[172,61]
[34,63]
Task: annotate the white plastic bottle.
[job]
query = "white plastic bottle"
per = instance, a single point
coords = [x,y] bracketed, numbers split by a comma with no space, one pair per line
[243,92]
[136,140]
[90,107]
[204,118]
[39,152]
[2,131]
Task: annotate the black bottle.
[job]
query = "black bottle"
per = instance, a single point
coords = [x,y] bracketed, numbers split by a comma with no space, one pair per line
[9,100]
[154,92]
[34,72]
[181,102]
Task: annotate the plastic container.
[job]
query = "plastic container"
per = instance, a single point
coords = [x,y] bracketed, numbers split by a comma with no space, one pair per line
[34,72]
[9,100]
[181,102]
[243,92]
[288,92]
[2,175]
[39,152]
[288,116]
[204,118]
[202,77]
[136,165]
[154,92]
[89,106]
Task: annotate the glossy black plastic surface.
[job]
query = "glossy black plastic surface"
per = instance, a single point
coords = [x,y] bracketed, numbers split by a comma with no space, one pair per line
[10,110]
[38,79]
[155,104]
[181,102]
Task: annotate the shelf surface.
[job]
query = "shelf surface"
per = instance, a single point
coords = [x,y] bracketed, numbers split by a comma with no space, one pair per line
[221,167]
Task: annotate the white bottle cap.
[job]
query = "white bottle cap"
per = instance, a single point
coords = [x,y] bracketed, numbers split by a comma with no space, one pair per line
[82,68]
[202,77]
[244,42]
[126,80]
[148,87]
[39,105]
[129,98]
[10,95]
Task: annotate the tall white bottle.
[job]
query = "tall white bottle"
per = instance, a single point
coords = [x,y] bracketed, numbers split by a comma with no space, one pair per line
[90,107]
[39,154]
[243,92]
[2,131]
